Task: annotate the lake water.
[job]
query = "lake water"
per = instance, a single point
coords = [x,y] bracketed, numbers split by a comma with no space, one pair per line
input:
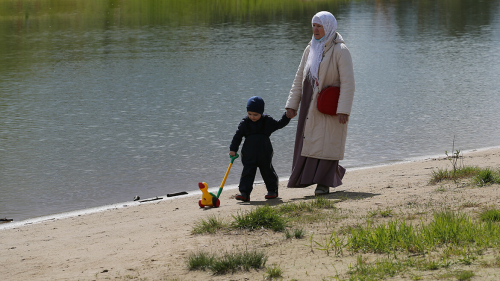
[101,101]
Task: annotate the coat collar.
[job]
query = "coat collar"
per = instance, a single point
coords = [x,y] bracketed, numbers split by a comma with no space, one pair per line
[337,38]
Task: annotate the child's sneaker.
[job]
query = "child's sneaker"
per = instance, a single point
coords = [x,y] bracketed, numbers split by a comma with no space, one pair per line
[242,197]
[271,195]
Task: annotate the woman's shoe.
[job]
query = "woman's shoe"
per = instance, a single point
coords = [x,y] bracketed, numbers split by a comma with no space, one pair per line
[271,195]
[242,197]
[321,189]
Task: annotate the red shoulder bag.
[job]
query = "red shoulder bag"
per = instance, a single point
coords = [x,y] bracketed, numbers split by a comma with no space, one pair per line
[328,100]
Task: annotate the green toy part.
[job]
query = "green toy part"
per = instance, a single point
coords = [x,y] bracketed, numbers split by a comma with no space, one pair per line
[227,172]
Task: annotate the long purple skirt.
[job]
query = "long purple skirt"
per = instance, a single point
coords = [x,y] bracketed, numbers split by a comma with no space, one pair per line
[307,171]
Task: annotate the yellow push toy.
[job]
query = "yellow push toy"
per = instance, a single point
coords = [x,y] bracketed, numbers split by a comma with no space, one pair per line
[208,199]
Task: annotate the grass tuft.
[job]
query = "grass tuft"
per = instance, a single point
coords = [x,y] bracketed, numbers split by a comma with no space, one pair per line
[273,271]
[487,176]
[480,176]
[297,209]
[379,270]
[229,262]
[211,225]
[200,261]
[459,173]
[464,275]
[491,215]
[447,228]
[322,203]
[298,233]
[261,217]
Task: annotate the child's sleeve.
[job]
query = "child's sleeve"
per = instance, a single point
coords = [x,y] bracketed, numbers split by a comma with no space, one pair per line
[238,136]
[281,123]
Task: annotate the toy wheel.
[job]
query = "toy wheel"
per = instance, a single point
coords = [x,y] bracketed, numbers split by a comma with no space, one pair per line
[201,205]
[215,202]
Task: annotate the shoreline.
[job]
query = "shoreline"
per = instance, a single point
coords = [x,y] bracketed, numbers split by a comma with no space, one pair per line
[128,204]
[153,241]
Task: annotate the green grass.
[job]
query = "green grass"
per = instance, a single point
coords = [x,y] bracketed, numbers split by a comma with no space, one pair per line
[298,233]
[491,215]
[298,209]
[379,270]
[228,262]
[383,213]
[275,218]
[334,243]
[487,176]
[448,238]
[459,173]
[454,237]
[461,275]
[322,203]
[211,225]
[480,176]
[261,217]
[386,213]
[396,235]
[464,275]
[447,228]
[273,272]
[200,261]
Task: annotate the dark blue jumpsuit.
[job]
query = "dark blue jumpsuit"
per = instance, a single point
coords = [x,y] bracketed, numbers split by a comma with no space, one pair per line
[257,151]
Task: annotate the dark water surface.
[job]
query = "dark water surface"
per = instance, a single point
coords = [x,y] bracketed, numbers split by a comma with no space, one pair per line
[104,100]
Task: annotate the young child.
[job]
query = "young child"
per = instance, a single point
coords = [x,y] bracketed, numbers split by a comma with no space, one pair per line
[257,151]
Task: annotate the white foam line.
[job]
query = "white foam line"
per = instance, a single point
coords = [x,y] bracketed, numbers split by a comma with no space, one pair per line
[89,211]
[214,190]
[420,158]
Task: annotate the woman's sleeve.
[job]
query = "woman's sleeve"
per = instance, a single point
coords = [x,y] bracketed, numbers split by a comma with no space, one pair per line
[346,73]
[295,94]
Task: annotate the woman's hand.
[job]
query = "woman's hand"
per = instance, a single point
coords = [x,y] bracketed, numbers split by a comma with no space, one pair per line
[290,113]
[343,118]
[232,153]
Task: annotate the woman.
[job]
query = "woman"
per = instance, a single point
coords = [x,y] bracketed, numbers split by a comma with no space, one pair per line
[320,138]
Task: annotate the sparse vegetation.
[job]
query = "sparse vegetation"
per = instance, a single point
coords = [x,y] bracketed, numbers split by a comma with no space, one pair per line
[261,217]
[210,225]
[447,228]
[410,243]
[480,176]
[378,270]
[228,262]
[297,233]
[266,217]
[334,243]
[491,215]
[487,176]
[457,174]
[273,271]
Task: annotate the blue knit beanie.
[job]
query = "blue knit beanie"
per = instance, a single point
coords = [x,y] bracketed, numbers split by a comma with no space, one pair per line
[256,104]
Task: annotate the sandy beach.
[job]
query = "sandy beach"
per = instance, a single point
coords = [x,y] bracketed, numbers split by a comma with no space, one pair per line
[151,241]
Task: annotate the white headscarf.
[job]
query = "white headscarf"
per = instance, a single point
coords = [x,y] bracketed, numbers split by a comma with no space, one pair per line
[329,23]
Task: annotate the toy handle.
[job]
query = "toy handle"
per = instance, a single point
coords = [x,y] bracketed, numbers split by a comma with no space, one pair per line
[227,173]
[234,157]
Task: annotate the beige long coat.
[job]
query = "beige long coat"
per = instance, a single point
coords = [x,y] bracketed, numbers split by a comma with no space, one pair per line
[324,136]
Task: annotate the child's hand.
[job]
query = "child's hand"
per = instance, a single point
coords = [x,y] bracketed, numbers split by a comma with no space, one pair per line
[232,153]
[291,113]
